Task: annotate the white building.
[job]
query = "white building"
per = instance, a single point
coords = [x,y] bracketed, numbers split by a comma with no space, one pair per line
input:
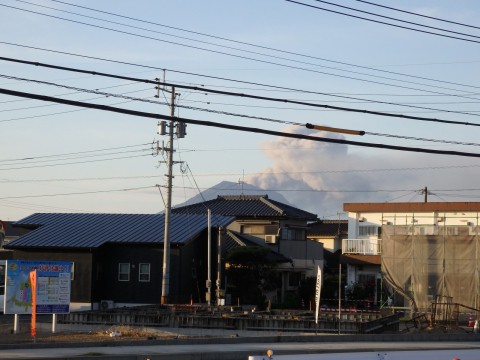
[426,250]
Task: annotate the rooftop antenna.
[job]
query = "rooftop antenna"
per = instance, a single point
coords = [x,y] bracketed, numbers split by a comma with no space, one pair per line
[242,180]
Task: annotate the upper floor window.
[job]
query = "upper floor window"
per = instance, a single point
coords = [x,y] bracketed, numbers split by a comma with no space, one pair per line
[144,272]
[124,272]
[260,229]
[368,230]
[293,234]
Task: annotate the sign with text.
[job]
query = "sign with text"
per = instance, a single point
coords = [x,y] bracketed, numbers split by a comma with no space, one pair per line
[318,290]
[52,287]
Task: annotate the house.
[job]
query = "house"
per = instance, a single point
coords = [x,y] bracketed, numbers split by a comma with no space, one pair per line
[117,258]
[280,227]
[428,251]
[331,234]
[8,232]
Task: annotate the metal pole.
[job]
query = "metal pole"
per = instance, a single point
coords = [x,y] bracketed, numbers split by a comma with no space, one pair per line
[219,262]
[54,323]
[209,259]
[166,236]
[339,296]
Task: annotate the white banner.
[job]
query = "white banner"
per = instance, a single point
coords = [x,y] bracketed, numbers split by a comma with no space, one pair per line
[317,293]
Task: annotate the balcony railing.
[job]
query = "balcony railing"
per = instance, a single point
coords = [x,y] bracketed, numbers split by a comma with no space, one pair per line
[362,246]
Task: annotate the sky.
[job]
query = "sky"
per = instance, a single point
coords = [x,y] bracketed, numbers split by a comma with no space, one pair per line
[320,61]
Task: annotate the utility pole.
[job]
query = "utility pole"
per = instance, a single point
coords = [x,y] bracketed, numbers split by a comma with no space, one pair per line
[209,258]
[180,132]
[168,207]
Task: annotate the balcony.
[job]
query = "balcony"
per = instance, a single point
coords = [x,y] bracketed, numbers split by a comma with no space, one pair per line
[362,246]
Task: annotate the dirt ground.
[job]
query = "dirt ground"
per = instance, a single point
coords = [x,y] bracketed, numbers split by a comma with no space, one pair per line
[111,334]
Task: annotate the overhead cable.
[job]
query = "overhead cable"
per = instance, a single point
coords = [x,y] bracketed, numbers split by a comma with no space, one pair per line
[260,46]
[416,14]
[383,22]
[224,52]
[395,19]
[231,127]
[243,95]
[277,87]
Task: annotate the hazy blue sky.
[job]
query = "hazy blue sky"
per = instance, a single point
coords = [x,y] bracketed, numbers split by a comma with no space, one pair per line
[56,158]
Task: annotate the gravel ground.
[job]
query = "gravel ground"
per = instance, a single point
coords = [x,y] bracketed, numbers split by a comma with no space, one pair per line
[96,334]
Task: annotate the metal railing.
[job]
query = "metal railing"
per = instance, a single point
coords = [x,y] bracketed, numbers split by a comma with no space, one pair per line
[362,246]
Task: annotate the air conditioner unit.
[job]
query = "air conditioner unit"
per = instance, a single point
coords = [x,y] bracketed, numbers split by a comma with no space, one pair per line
[106,304]
[271,239]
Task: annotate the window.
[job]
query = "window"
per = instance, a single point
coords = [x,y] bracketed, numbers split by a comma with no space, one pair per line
[369,230]
[124,272]
[144,272]
[253,229]
[294,279]
[260,229]
[293,234]
[271,229]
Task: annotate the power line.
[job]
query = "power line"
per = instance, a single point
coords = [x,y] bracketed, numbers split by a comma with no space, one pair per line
[231,127]
[241,115]
[382,22]
[6,181]
[104,94]
[197,75]
[26,162]
[73,163]
[76,193]
[423,139]
[317,172]
[221,189]
[395,19]
[243,95]
[72,153]
[416,14]
[258,46]
[231,55]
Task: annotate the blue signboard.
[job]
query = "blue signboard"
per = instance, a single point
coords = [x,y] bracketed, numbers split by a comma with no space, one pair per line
[53,287]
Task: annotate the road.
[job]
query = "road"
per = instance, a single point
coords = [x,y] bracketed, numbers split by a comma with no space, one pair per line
[337,350]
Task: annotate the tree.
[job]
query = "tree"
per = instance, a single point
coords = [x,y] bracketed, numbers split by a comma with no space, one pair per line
[249,271]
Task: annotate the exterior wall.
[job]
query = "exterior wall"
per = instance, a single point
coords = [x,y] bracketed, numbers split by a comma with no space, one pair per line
[416,218]
[331,244]
[106,274]
[191,270]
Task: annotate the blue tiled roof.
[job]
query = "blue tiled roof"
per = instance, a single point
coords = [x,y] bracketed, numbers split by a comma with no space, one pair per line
[93,230]
[246,206]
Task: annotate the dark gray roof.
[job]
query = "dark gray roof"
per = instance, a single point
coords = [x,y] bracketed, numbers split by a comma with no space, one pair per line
[246,206]
[234,239]
[93,230]
[328,228]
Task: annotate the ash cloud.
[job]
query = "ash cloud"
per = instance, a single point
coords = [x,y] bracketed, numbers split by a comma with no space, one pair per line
[340,173]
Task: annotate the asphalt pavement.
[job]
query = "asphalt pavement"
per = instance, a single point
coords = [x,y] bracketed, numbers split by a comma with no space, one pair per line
[241,347]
